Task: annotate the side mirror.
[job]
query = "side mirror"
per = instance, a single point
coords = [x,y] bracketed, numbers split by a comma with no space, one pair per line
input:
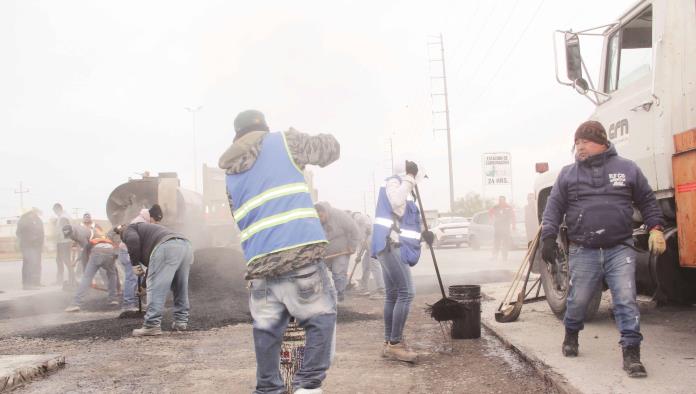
[581,86]
[573,57]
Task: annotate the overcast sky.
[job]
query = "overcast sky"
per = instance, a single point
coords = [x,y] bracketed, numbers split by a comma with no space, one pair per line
[94,92]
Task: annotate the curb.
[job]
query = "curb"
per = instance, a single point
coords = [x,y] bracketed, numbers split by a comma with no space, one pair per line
[24,372]
[555,380]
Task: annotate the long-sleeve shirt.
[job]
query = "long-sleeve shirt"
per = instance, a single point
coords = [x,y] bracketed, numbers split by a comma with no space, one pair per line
[142,238]
[398,192]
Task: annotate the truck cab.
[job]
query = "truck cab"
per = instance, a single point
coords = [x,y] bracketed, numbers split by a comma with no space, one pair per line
[645,96]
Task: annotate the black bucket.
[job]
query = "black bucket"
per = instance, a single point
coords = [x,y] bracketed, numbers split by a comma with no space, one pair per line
[469,325]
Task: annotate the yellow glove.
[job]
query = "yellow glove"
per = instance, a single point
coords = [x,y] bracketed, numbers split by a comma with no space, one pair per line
[656,242]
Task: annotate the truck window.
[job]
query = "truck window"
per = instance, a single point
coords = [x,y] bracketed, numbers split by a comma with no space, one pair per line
[629,52]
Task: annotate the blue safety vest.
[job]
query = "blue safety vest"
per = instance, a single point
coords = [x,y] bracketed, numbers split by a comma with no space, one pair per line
[272,204]
[408,228]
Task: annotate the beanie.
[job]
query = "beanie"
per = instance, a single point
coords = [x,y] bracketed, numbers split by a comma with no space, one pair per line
[250,120]
[592,131]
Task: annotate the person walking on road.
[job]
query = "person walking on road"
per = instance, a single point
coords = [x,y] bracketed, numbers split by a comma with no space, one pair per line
[343,236]
[63,247]
[99,253]
[30,235]
[503,218]
[596,195]
[283,244]
[396,243]
[370,266]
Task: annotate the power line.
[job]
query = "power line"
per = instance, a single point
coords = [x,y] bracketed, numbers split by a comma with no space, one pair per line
[510,52]
[475,41]
[468,24]
[490,47]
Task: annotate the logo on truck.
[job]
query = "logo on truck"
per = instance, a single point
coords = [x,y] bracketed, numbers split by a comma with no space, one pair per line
[618,131]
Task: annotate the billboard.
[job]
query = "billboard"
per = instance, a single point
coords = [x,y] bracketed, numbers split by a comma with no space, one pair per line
[497,169]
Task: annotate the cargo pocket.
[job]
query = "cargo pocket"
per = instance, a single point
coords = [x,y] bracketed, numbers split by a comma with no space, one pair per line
[309,287]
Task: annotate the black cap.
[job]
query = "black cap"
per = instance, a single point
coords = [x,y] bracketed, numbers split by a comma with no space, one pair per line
[156,212]
[250,120]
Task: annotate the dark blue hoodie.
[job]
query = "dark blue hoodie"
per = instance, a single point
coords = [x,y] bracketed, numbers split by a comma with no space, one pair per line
[597,196]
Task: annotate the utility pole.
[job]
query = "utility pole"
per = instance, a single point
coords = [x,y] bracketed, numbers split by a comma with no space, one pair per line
[195,159]
[440,42]
[21,193]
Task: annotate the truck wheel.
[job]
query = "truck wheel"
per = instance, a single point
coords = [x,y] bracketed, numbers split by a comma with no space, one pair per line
[473,242]
[556,285]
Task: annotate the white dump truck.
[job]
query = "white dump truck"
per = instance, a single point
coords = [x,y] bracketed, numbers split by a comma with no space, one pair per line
[645,97]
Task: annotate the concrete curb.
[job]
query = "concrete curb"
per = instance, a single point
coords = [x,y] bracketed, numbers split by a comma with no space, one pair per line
[554,379]
[20,369]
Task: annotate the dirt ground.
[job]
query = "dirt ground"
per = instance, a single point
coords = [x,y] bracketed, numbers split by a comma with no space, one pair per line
[222,360]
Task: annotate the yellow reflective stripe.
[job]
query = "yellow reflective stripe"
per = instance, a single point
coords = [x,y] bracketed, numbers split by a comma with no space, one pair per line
[278,219]
[270,194]
[287,150]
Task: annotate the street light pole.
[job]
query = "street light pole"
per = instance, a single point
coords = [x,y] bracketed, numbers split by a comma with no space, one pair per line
[195,159]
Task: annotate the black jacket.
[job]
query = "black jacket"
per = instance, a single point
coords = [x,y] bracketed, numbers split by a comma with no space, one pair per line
[597,196]
[142,238]
[30,231]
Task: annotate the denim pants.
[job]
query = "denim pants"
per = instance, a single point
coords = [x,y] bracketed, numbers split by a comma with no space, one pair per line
[370,266]
[399,291]
[307,295]
[339,271]
[63,251]
[130,299]
[96,261]
[616,265]
[169,268]
[31,265]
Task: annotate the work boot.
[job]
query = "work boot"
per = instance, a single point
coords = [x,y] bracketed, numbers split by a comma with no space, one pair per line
[631,362]
[179,326]
[401,352]
[72,308]
[378,295]
[570,344]
[147,331]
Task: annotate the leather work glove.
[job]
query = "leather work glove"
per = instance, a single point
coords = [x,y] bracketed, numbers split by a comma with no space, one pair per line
[138,270]
[428,237]
[548,250]
[411,168]
[656,242]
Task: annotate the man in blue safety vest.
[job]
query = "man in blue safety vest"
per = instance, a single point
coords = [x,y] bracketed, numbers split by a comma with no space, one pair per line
[396,243]
[283,243]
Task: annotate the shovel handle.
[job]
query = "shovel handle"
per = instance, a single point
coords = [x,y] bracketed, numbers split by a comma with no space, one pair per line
[432,251]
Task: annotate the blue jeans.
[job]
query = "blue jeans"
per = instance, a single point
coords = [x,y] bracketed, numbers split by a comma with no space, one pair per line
[399,293]
[339,272]
[308,295]
[371,266]
[96,261]
[616,265]
[169,267]
[130,299]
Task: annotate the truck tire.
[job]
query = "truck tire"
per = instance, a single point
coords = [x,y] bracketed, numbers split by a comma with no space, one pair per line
[556,285]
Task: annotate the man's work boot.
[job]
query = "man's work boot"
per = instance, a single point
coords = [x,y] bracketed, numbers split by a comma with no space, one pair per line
[401,352]
[179,326]
[302,390]
[147,331]
[570,344]
[631,362]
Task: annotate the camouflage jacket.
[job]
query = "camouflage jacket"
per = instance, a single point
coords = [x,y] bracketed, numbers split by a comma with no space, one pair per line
[321,150]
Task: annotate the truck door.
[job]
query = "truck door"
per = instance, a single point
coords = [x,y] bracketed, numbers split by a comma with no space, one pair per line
[627,76]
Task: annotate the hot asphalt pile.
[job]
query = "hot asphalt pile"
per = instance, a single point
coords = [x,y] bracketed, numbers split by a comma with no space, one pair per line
[217,294]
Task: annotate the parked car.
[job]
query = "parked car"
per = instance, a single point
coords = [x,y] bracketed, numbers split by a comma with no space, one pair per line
[481,231]
[452,230]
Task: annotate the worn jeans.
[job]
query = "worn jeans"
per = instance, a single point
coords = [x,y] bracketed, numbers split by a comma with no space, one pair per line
[169,268]
[130,299]
[31,266]
[307,295]
[616,265]
[399,293]
[63,261]
[371,266]
[96,261]
[339,272]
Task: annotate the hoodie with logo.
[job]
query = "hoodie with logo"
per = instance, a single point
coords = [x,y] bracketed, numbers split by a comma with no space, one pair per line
[597,196]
